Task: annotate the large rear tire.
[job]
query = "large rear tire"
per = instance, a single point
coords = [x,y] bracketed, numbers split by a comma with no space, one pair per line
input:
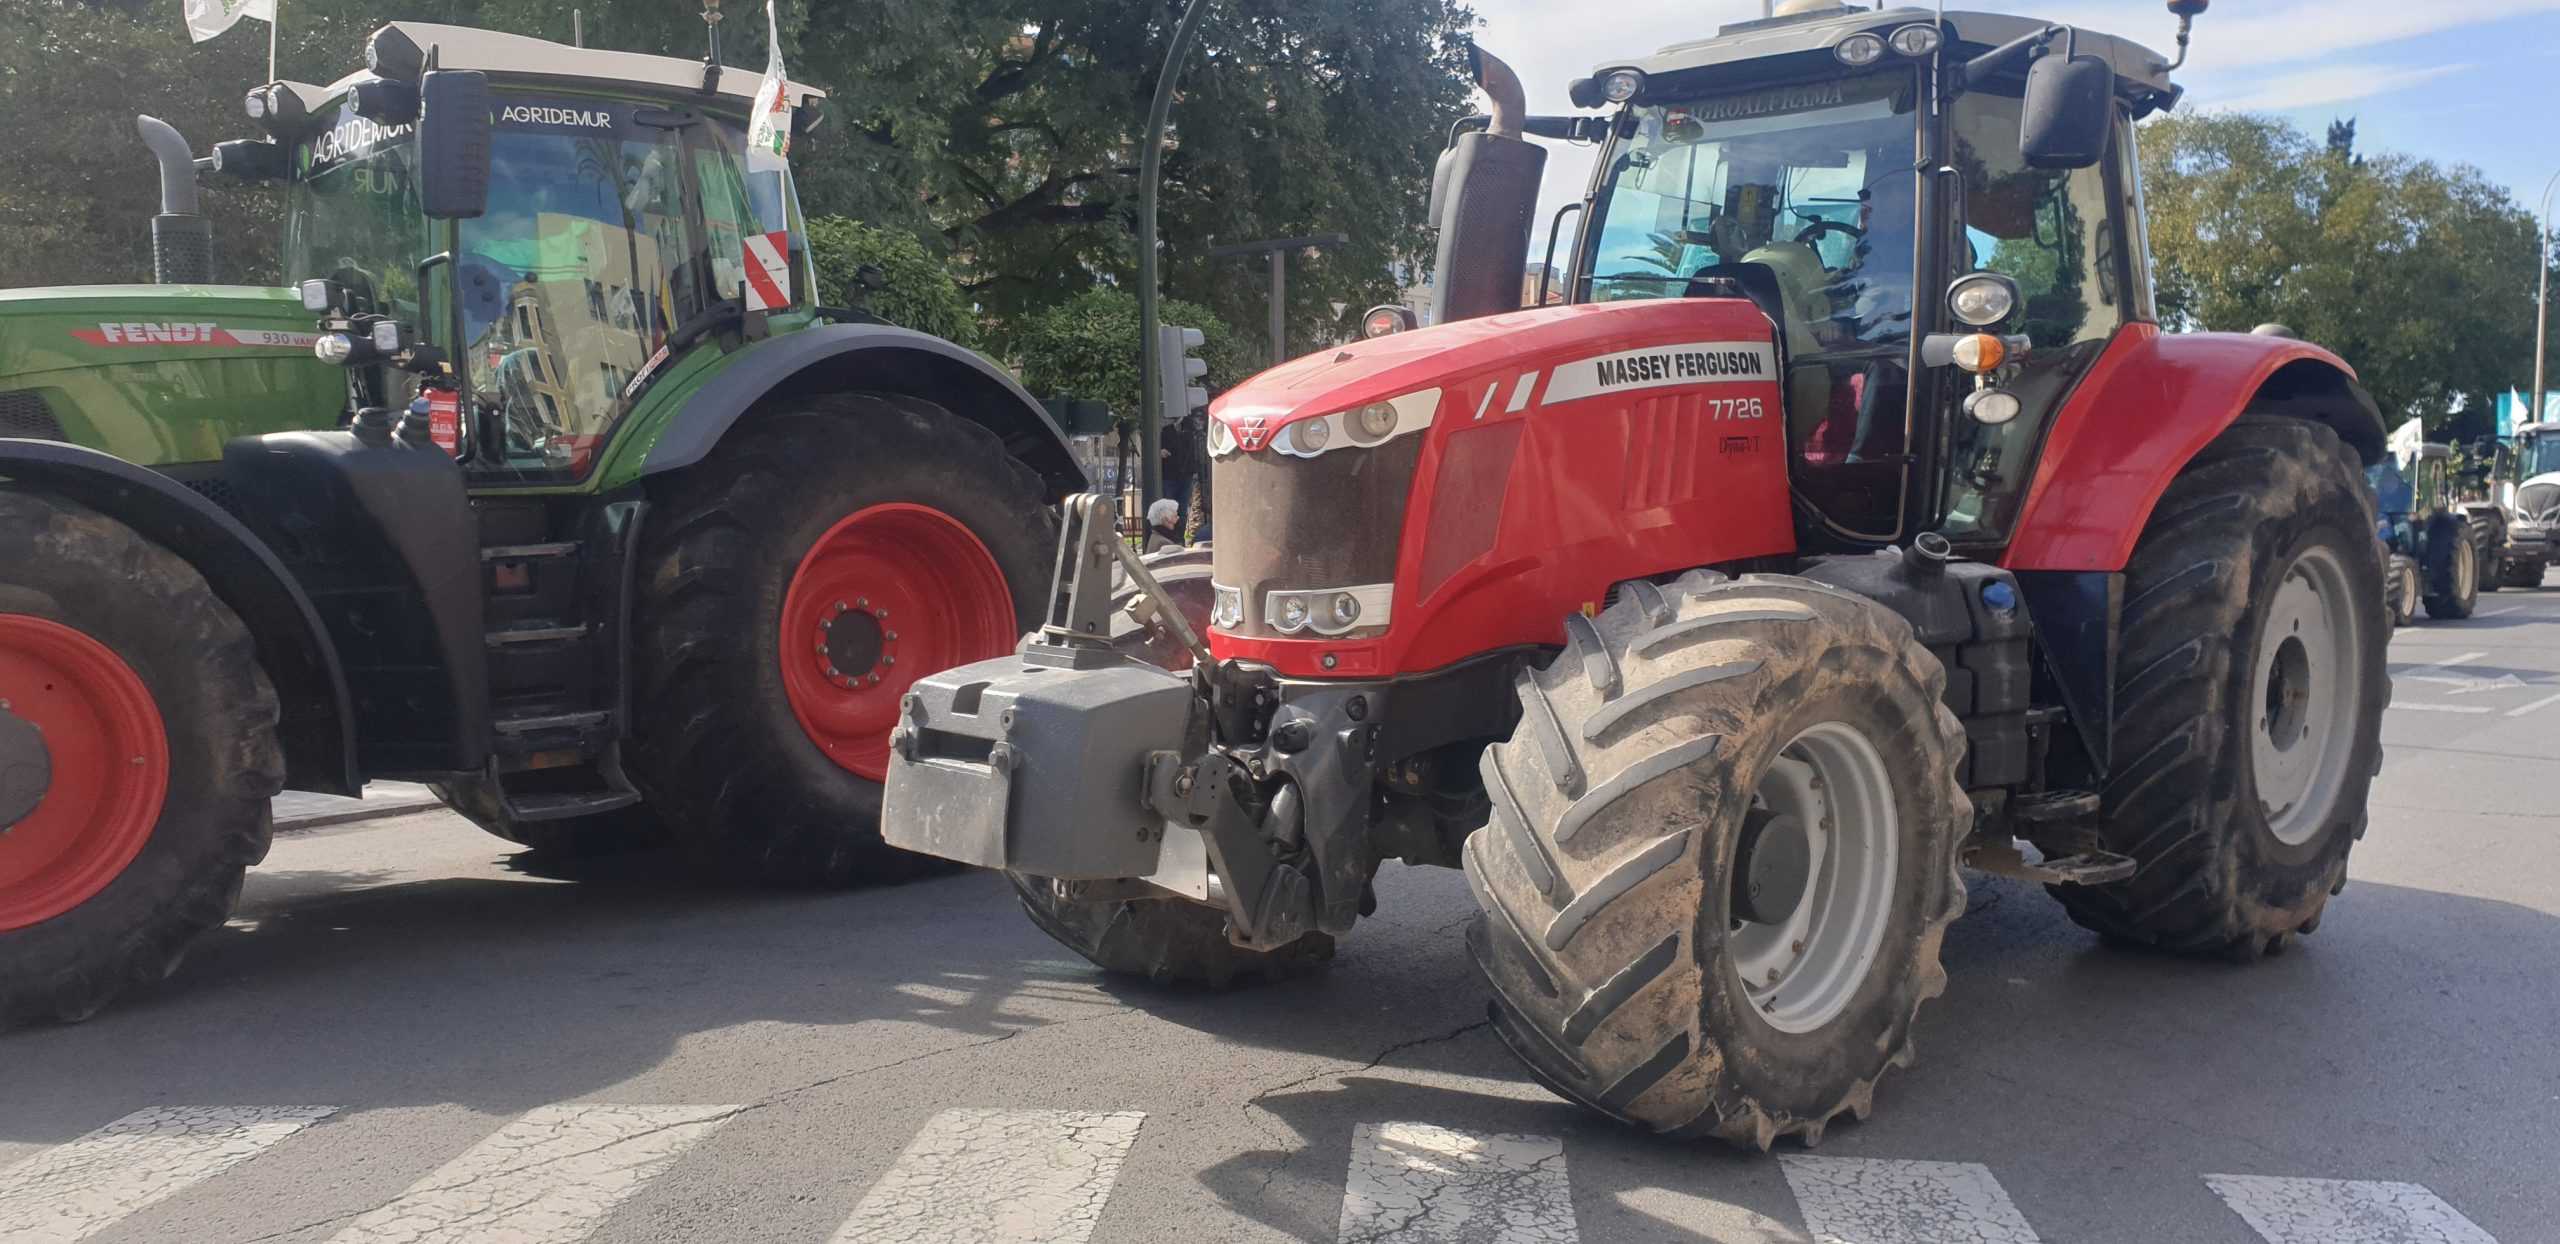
[1722,857]
[158,756]
[793,586]
[2452,569]
[2249,698]
[1169,942]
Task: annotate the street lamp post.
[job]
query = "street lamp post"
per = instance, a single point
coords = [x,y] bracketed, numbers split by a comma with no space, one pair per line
[2542,300]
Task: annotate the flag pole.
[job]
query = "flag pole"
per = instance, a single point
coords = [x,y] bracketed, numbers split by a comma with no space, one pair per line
[274,19]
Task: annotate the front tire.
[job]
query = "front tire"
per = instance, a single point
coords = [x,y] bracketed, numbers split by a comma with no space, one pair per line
[797,582]
[2249,698]
[158,732]
[1713,779]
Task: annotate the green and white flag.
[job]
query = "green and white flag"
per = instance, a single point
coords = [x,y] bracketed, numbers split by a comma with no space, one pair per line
[207,18]
[771,129]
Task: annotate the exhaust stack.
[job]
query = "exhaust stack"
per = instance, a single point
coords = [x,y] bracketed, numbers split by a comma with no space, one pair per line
[181,238]
[1484,200]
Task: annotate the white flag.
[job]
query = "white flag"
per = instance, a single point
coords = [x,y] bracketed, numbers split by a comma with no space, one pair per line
[771,129]
[207,18]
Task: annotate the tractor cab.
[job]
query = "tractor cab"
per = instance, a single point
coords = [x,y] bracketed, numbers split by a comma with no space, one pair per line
[2536,455]
[621,216]
[1942,219]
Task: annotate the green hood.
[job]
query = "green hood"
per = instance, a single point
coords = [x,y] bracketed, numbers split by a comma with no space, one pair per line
[160,374]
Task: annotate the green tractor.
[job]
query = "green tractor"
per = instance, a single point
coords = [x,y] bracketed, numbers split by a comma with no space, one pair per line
[598,523]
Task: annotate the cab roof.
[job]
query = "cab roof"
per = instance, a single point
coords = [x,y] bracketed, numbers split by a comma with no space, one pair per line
[524,57]
[1821,32]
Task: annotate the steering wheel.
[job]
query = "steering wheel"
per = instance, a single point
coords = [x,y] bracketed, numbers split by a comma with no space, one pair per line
[1814,232]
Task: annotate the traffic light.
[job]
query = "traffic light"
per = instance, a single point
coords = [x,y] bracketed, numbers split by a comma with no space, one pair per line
[1184,372]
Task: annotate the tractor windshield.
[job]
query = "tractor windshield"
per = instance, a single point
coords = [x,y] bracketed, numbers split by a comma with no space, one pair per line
[1812,185]
[355,217]
[2538,453]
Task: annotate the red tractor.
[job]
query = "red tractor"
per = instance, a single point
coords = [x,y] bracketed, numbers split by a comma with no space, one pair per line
[1854,521]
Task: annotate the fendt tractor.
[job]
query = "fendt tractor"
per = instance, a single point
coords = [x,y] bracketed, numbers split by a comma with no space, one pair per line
[2513,509]
[1856,520]
[622,534]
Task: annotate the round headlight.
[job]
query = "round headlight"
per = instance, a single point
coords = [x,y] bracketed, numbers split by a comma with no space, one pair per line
[1980,353]
[1346,609]
[334,348]
[1917,40]
[1983,299]
[256,103]
[1383,322]
[1293,613]
[1860,51]
[1311,436]
[1992,407]
[1373,423]
[1620,85]
[1222,439]
[1229,610]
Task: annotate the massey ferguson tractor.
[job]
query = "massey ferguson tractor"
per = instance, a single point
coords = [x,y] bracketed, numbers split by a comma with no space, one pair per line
[1854,522]
[623,535]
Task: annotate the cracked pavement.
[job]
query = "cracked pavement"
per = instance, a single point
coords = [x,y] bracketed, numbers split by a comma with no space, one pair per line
[399,1007]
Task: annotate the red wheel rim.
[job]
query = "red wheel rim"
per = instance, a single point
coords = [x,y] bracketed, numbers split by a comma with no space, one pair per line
[890,594]
[110,761]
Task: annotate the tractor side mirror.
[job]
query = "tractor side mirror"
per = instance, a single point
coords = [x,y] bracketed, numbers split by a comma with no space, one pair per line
[2069,107]
[453,144]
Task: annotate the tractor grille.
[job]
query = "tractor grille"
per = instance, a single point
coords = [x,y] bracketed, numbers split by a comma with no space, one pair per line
[23,413]
[1301,524]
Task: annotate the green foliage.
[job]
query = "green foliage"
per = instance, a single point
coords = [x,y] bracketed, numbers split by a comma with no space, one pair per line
[1001,132]
[2420,276]
[919,294]
[1087,348]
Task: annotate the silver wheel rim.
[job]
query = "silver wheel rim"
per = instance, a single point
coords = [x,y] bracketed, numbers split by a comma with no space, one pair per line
[2466,572]
[1802,972]
[2306,687]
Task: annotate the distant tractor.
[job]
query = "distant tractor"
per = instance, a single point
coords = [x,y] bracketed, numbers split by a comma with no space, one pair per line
[2423,524]
[1855,520]
[2521,506]
[623,536]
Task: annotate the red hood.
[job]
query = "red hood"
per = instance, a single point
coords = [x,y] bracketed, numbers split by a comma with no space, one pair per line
[1451,355]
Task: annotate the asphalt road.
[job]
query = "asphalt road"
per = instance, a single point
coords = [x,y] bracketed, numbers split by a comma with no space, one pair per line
[403,1037]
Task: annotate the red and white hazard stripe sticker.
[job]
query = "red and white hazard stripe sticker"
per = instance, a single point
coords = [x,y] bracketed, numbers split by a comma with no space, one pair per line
[768,271]
[193,333]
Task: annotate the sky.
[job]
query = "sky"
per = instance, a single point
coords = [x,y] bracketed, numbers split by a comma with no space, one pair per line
[2456,81]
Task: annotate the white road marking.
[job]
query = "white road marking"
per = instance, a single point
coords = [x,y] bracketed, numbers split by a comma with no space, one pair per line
[552,1175]
[2535,707]
[81,1187]
[2442,708]
[2491,613]
[1413,1183]
[2343,1211]
[998,1177]
[1865,1201]
[2465,659]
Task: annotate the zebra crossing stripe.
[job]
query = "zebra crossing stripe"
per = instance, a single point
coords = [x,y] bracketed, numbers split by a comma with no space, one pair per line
[2343,1211]
[998,1177]
[551,1175]
[1867,1201]
[77,1189]
[1414,1183]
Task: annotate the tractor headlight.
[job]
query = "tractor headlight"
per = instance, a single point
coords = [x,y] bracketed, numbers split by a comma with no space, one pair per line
[1993,408]
[1373,423]
[1620,85]
[256,104]
[1860,51]
[1222,439]
[1308,438]
[317,297]
[386,336]
[1917,40]
[1984,299]
[1227,612]
[1346,609]
[334,348]
[1291,613]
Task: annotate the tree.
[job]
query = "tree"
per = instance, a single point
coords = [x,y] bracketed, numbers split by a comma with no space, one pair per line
[1087,348]
[2414,273]
[917,290]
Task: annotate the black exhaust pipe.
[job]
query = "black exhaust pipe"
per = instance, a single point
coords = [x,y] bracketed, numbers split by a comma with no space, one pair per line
[181,238]
[1484,199]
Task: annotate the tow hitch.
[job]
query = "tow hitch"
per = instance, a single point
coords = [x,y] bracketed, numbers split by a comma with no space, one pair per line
[1074,762]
